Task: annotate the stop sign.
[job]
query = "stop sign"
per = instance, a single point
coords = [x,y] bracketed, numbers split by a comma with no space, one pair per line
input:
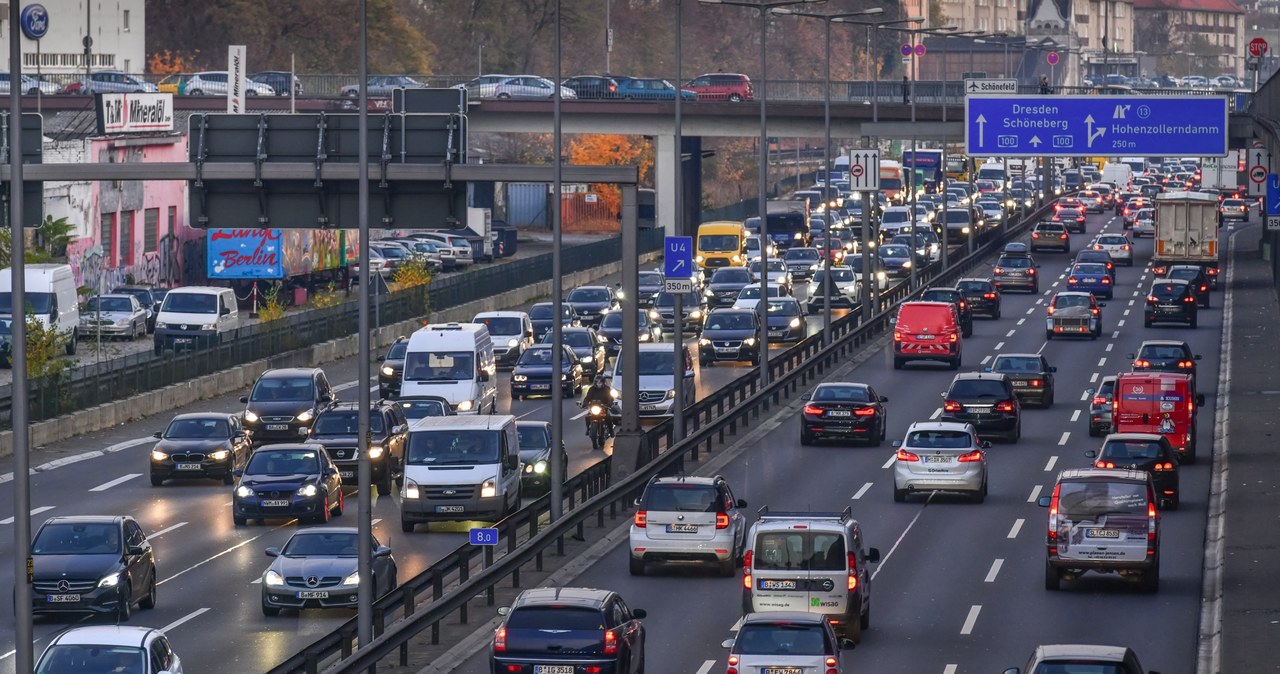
[1257,47]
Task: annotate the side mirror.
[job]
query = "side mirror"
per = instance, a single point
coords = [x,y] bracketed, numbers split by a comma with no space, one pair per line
[379,359]
[226,311]
[135,550]
[504,610]
[244,399]
[1091,454]
[806,397]
[272,551]
[985,444]
[1129,356]
[873,555]
[382,551]
[727,643]
[639,613]
[742,503]
[847,644]
[893,321]
[884,399]
[1015,670]
[1198,356]
[1044,501]
[986,369]
[157,435]
[1200,399]
[1090,391]
[483,375]
[637,501]
[237,473]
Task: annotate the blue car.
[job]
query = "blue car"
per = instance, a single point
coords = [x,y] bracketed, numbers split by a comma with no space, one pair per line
[896,258]
[650,89]
[786,320]
[532,373]
[287,480]
[1091,277]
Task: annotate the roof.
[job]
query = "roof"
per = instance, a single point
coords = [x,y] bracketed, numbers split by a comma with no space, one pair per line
[288,372]
[1116,653]
[1072,293]
[85,518]
[1103,473]
[327,530]
[472,422]
[938,426]
[106,635]
[501,314]
[1211,6]
[577,596]
[685,479]
[203,415]
[1164,342]
[784,616]
[1151,437]
[969,376]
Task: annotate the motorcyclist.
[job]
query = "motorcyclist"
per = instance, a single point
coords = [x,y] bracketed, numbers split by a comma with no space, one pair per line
[598,393]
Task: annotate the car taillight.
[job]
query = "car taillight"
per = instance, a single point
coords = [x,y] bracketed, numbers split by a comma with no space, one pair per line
[1004,406]
[1037,382]
[500,639]
[853,571]
[746,569]
[1163,466]
[1204,289]
[1053,516]
[904,455]
[955,337]
[1072,279]
[999,270]
[971,457]
[733,665]
[1094,311]
[1151,522]
[1032,272]
[831,664]
[1099,400]
[610,642]
[897,336]
[1188,299]
[1050,309]
[1104,464]
[1106,280]
[1035,235]
[952,406]
[865,412]
[1141,363]
[1151,299]
[1064,234]
[963,304]
[641,519]
[1158,271]
[1213,271]
[722,521]
[989,296]
[1186,364]
[813,409]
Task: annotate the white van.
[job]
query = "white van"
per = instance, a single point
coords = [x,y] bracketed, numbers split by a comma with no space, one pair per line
[511,332]
[657,378]
[50,296]
[995,172]
[459,468]
[1119,174]
[453,361]
[196,316]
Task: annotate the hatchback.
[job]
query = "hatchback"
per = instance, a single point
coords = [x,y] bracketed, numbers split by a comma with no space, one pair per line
[1142,451]
[1092,278]
[1056,658]
[1102,257]
[1170,300]
[1073,218]
[284,402]
[286,481]
[92,564]
[1016,271]
[110,648]
[688,519]
[1196,280]
[1118,246]
[1051,236]
[1234,209]
[784,320]
[1165,355]
[593,86]
[986,400]
[787,642]
[1144,223]
[983,296]
[1100,410]
[729,335]
[650,89]
[1030,374]
[214,83]
[940,456]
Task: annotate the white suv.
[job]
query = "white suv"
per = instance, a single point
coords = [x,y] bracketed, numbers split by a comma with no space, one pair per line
[110,648]
[214,83]
[694,519]
[942,456]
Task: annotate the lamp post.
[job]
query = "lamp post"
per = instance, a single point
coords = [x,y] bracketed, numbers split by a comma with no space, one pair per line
[826,149]
[763,8]
[937,30]
[875,108]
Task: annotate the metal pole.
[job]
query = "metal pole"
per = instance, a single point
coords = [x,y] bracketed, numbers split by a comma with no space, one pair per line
[293,90]
[23,651]
[677,409]
[946,47]
[479,59]
[557,290]
[88,47]
[913,261]
[946,254]
[875,102]
[608,27]
[364,471]
[868,278]
[826,182]
[763,306]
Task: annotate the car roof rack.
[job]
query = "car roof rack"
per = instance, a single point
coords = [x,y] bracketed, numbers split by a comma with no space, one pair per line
[764,513]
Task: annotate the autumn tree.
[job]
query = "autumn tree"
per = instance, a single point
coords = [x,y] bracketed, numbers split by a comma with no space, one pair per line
[612,150]
[169,62]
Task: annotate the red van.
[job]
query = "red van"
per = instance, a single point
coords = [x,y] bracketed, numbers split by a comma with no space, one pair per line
[926,331]
[1158,402]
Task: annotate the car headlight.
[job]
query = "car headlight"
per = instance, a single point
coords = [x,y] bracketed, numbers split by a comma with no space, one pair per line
[906,265]
[157,455]
[671,394]
[540,467]
[488,490]
[518,377]
[708,293]
[209,326]
[797,236]
[272,578]
[964,231]
[881,275]
[813,267]
[528,468]
[704,341]
[795,323]
[615,393]
[604,310]
[602,339]
[375,451]
[737,259]
[511,343]
[696,313]
[308,490]
[654,315]
[388,371]
[162,326]
[250,417]
[410,489]
[218,455]
[353,579]
[699,259]
[122,322]
[644,336]
[306,416]
[244,492]
[750,341]
[110,580]
[564,377]
[465,406]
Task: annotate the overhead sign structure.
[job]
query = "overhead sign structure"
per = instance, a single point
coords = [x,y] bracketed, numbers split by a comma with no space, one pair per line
[864,170]
[32,153]
[996,86]
[1088,126]
[1259,162]
[1258,47]
[134,113]
[677,264]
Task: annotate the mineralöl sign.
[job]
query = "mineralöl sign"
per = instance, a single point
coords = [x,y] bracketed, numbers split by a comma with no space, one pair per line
[133,113]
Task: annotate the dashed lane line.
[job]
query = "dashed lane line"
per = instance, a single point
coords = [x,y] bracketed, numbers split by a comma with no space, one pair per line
[165,530]
[995,570]
[1017,526]
[1075,416]
[1102,361]
[118,481]
[892,458]
[972,618]
[861,491]
[986,359]
[1053,461]
[1010,333]
[1021,321]
[706,667]
[34,512]
[936,413]
[999,345]
[175,624]
[1035,494]
[1065,436]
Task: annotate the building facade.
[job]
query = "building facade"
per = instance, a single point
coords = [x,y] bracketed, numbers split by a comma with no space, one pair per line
[118,29]
[988,16]
[1211,33]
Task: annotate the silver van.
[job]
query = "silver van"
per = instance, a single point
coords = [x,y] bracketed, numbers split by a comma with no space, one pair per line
[460,468]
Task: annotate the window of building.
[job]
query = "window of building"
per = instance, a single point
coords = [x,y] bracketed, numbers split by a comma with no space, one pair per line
[124,21]
[173,221]
[105,231]
[1119,10]
[150,223]
[984,24]
[1002,3]
[1002,24]
[126,238]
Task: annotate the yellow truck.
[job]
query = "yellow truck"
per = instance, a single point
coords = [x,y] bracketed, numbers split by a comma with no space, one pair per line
[719,244]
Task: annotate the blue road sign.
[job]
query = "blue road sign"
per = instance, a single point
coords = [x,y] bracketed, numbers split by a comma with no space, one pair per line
[677,259]
[481,536]
[1089,126]
[1273,194]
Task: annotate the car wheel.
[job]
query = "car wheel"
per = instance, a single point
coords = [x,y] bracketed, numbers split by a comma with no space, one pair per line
[899,495]
[125,610]
[635,566]
[853,631]
[878,437]
[406,526]
[735,98]
[229,477]
[897,363]
[1151,579]
[980,495]
[239,521]
[1194,320]
[955,364]
[1146,322]
[195,92]
[996,316]
[1173,503]
[865,619]
[806,438]
[503,95]
[71,342]
[384,485]
[149,602]
[325,512]
[1052,579]
[156,480]
[270,611]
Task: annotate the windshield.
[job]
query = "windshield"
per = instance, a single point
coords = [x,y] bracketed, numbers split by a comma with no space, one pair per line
[682,497]
[753,292]
[417,409]
[690,300]
[736,275]
[453,448]
[894,250]
[784,308]
[650,278]
[439,366]
[1185,274]
[652,363]
[893,216]
[397,351]
[542,312]
[589,295]
[322,543]
[940,296]
[92,659]
[345,422]
[855,262]
[973,287]
[976,388]
[283,462]
[1088,500]
[108,304]
[540,356]
[197,429]
[77,538]
[1131,449]
[533,437]
[719,243]
[1112,240]
[502,325]
[39,303]
[729,321]
[958,216]
[837,275]
[189,303]
[1162,353]
[799,550]
[1016,364]
[283,389]
[578,338]
[801,255]
[939,439]
[774,265]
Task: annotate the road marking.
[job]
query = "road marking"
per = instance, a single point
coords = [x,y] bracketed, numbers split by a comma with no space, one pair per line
[581,414]
[1047,293]
[995,569]
[1062,276]
[1040,301]
[352,384]
[34,512]
[1126,311]
[1021,321]
[1093,379]
[1132,301]
[166,530]
[1075,416]
[1109,347]
[986,359]
[1063,439]
[1120,323]
[256,581]
[1053,461]
[119,480]
[1055,283]
[999,346]
[1115,335]
[76,458]
[950,669]
[1102,361]
[971,619]
[1035,494]
[233,548]
[884,560]
[173,625]
[1030,311]
[1084,396]
[706,667]
[861,491]
[1010,333]
[892,457]
[936,413]
[1017,526]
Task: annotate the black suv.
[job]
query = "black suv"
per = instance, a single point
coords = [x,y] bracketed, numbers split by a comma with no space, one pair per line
[1196,279]
[649,328]
[1050,236]
[729,334]
[1165,355]
[1016,271]
[338,429]
[1170,300]
[535,456]
[284,402]
[541,315]
[725,284]
[982,294]
[554,628]
[92,564]
[986,400]
[392,368]
[955,296]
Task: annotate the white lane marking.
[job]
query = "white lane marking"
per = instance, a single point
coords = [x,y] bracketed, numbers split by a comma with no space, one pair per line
[1075,416]
[173,625]
[999,345]
[374,521]
[706,667]
[233,548]
[1062,276]
[737,625]
[1040,301]
[1109,347]
[118,481]
[1120,323]
[936,413]
[76,458]
[1102,361]
[1131,302]
[986,359]
[1063,439]
[166,530]
[892,457]
[1035,494]
[1053,461]
[1055,283]
[861,491]
[971,619]
[581,414]
[950,669]
[351,384]
[256,581]
[884,560]
[1127,311]
[1115,334]
[1017,526]
[1085,395]
[1010,333]
[995,569]
[1030,311]
[34,512]
[1047,293]
[1021,321]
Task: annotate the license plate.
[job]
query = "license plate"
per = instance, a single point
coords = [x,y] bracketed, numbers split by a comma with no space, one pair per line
[726,349]
[777,584]
[274,503]
[277,427]
[926,337]
[346,474]
[839,413]
[540,387]
[937,459]
[1019,382]
[184,340]
[450,509]
[682,528]
[313,594]
[1169,310]
[776,333]
[63,598]
[1102,533]
[553,669]
[781,670]
[648,408]
[188,466]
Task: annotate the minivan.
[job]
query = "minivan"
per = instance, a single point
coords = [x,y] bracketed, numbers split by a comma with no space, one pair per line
[510,332]
[454,361]
[926,331]
[196,316]
[51,297]
[657,373]
[460,468]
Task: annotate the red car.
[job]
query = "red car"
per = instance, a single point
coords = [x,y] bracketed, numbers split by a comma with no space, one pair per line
[721,87]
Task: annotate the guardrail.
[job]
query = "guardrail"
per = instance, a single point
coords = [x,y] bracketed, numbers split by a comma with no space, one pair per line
[708,421]
[94,384]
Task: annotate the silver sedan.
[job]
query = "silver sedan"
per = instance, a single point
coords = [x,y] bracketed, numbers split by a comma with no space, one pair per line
[941,456]
[115,315]
[317,568]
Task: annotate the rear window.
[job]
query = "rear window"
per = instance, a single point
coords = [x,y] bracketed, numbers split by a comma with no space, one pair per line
[1079,667]
[782,639]
[939,439]
[1015,262]
[1090,269]
[1016,364]
[799,550]
[974,286]
[1091,498]
[940,296]
[556,617]
[855,394]
[977,388]
[1049,227]
[731,276]
[924,315]
[682,498]
[1132,449]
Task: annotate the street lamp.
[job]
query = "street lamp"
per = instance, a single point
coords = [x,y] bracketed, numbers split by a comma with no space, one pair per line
[1003,41]
[875,108]
[764,8]
[826,151]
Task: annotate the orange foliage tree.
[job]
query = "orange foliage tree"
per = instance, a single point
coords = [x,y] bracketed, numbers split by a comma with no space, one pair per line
[612,150]
[166,62]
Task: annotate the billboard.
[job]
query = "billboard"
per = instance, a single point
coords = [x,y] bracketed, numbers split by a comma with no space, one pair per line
[245,253]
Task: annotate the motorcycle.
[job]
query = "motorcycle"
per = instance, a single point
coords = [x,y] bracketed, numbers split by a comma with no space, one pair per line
[599,425]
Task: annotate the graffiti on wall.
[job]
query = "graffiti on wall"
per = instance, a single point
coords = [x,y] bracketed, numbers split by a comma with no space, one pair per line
[175,262]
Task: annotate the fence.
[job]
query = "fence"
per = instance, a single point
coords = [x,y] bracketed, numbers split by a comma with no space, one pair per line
[90,385]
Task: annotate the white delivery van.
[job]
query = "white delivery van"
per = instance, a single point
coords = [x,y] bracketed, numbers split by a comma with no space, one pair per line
[511,332]
[453,361]
[1118,174]
[657,373]
[460,468]
[50,297]
[196,316]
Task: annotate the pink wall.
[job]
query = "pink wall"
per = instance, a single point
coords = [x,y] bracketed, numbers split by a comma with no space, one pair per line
[117,249]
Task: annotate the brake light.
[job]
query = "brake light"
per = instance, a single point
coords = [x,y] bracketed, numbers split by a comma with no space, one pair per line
[1186,364]
[733,665]
[1188,299]
[963,304]
[1141,363]
[1037,382]
[853,571]
[1072,279]
[1151,299]
[989,296]
[1053,516]
[971,457]
[1099,400]
[1035,235]
[897,336]
[955,337]
[951,406]
[610,642]
[1106,280]
[1032,272]
[641,519]
[1004,406]
[865,412]
[904,455]
[500,640]
[1094,310]
[746,569]
[1050,309]
[1064,234]
[1163,466]
[1204,289]
[1151,522]
[1104,464]
[1124,247]
[813,409]
[999,270]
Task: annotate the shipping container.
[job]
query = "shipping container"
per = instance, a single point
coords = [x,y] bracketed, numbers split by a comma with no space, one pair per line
[528,205]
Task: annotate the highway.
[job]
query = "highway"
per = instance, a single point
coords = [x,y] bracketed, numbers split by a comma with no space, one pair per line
[209,597]
[960,587]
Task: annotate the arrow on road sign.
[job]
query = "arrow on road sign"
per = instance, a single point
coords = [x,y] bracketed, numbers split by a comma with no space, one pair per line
[1035,140]
[1102,130]
[982,127]
[1273,194]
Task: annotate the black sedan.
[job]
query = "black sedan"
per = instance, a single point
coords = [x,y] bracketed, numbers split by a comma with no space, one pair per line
[207,444]
[897,259]
[729,334]
[288,480]
[541,315]
[535,455]
[693,308]
[725,284]
[1030,375]
[785,321]
[982,294]
[556,630]
[532,374]
[392,368]
[419,407]
[843,410]
[650,329]
[92,564]
[1165,355]
[591,303]
[1170,300]
[1196,279]
[588,346]
[1143,451]
[957,298]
